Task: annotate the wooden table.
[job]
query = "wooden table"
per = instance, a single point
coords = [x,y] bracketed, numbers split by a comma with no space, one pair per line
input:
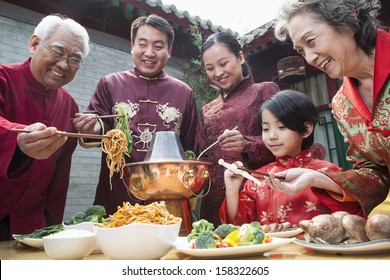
[288,252]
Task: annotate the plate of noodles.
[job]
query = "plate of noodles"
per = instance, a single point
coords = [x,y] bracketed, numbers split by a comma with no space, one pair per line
[138,232]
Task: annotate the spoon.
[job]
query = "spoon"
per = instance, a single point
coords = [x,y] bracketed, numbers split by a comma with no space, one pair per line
[209,147]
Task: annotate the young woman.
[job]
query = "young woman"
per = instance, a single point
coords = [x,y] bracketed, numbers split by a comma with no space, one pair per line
[236,106]
[287,121]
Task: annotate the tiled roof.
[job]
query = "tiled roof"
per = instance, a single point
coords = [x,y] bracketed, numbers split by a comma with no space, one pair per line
[182,14]
[251,39]
[258,32]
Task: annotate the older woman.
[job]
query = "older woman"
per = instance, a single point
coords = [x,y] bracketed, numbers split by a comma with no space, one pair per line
[344,39]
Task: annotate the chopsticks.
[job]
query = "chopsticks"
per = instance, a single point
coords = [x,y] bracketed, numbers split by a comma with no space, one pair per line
[68,134]
[258,172]
[103,117]
[243,173]
[209,147]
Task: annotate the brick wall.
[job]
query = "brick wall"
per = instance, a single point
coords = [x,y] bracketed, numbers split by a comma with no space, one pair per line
[108,54]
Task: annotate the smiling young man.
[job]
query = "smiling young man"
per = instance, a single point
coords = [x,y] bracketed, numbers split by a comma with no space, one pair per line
[35,167]
[153,101]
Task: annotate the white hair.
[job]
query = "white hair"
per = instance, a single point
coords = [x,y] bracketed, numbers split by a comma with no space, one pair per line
[50,23]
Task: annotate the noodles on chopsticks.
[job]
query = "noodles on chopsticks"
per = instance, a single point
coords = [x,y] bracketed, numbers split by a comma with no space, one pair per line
[154,213]
[115,147]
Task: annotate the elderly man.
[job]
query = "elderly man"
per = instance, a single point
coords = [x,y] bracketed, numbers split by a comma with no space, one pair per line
[35,167]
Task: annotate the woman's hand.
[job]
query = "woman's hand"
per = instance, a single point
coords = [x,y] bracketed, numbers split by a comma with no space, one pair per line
[84,123]
[231,141]
[297,179]
[41,143]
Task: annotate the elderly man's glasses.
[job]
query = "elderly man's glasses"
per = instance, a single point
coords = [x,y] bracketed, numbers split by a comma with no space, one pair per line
[59,56]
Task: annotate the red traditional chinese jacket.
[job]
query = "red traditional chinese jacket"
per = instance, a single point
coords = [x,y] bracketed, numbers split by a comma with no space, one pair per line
[366,133]
[263,204]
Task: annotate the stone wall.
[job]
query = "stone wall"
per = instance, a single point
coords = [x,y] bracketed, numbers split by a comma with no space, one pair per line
[108,54]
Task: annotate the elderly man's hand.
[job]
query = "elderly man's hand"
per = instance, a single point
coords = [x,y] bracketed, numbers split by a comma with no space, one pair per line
[85,123]
[41,143]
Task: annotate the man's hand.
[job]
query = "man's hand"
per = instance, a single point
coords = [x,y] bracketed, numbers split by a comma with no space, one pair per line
[85,123]
[41,143]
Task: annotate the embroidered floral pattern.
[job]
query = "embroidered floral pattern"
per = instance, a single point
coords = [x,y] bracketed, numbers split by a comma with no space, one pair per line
[131,109]
[282,213]
[168,115]
[310,206]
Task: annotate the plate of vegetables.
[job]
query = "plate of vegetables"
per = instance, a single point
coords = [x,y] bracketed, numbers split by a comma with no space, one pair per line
[32,242]
[81,220]
[34,239]
[227,240]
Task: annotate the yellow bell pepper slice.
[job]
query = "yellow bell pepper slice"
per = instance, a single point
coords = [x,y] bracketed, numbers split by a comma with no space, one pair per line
[232,239]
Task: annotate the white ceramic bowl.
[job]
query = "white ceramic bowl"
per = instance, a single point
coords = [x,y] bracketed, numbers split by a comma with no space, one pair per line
[84,226]
[69,244]
[137,241]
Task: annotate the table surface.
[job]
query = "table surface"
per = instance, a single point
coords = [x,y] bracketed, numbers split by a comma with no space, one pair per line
[8,251]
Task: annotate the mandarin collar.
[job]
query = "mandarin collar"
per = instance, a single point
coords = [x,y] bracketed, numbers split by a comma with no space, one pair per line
[34,85]
[160,75]
[299,160]
[381,73]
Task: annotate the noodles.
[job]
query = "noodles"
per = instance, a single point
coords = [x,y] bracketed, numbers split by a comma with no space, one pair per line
[153,213]
[115,146]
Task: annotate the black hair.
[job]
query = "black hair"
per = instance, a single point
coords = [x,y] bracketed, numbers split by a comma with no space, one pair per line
[293,109]
[231,43]
[155,21]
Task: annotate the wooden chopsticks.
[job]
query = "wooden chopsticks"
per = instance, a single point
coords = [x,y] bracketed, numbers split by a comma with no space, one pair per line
[63,133]
[258,173]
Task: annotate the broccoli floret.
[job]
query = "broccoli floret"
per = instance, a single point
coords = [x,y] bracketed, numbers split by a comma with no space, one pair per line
[256,225]
[251,236]
[95,210]
[94,218]
[95,213]
[224,229]
[198,227]
[190,155]
[205,240]
[79,217]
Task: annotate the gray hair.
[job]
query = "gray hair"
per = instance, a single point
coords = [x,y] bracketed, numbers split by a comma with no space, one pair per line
[359,16]
[51,22]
